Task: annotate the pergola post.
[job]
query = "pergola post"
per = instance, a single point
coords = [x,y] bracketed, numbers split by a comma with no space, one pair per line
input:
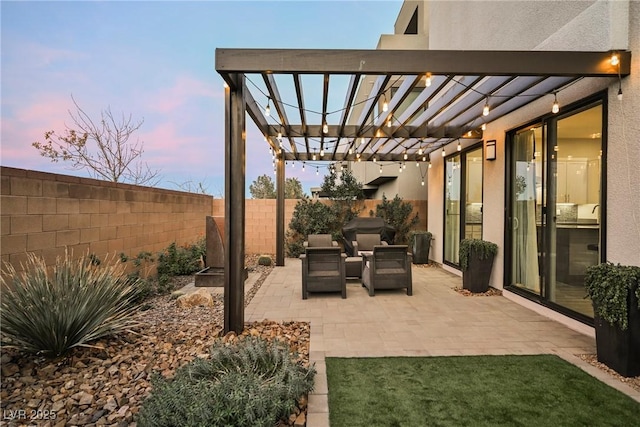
[234,207]
[280,211]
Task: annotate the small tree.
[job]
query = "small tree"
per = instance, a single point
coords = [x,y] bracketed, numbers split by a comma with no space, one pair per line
[264,188]
[398,214]
[309,217]
[346,194]
[104,148]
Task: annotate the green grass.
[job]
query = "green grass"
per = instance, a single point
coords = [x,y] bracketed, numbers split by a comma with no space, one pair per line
[474,391]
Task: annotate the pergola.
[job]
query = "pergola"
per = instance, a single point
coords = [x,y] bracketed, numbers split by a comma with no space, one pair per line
[418,101]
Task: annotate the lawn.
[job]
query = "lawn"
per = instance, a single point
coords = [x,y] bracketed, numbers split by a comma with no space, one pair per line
[471,390]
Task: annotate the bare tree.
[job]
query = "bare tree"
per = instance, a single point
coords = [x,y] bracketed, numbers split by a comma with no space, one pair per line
[103,148]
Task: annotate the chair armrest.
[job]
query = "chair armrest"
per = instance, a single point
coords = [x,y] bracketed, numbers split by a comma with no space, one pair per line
[305,244]
[334,243]
[355,247]
[384,243]
[303,256]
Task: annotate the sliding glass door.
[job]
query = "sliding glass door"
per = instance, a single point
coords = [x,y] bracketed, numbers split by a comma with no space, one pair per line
[554,205]
[463,201]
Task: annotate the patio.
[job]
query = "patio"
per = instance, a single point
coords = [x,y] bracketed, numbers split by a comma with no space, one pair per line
[435,321]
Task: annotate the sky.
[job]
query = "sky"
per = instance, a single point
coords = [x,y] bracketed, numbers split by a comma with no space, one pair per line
[154,60]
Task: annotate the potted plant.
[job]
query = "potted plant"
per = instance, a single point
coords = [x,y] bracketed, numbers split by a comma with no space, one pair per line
[420,242]
[615,293]
[476,261]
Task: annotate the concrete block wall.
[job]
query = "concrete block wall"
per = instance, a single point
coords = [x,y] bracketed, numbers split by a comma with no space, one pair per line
[260,228]
[45,213]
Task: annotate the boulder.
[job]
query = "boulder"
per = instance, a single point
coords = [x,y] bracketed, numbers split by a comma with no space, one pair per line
[200,297]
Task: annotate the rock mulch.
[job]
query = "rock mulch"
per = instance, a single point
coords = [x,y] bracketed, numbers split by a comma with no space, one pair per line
[105,385]
[492,292]
[633,382]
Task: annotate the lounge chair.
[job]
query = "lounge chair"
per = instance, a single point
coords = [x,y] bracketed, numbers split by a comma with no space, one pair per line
[323,270]
[387,267]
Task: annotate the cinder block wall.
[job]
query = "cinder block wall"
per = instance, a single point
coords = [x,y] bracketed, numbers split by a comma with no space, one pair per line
[260,231]
[44,213]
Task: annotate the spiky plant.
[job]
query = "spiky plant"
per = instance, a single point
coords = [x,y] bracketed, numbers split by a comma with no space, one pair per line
[50,311]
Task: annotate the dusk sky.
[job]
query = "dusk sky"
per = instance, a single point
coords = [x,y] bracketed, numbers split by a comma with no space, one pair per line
[155,61]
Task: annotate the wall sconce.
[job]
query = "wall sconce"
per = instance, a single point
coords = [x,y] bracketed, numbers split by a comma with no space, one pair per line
[490,150]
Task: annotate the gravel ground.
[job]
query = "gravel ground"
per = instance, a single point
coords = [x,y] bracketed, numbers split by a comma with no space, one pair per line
[105,385]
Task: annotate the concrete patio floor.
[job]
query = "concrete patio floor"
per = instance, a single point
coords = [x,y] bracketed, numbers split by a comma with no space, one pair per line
[435,321]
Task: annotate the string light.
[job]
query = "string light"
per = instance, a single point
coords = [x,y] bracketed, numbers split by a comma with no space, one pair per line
[404,165]
[317,171]
[417,164]
[620,92]
[422,183]
[443,153]
[267,110]
[321,152]
[325,128]
[361,140]
[350,150]
[406,156]
[400,167]
[484,126]
[485,110]
[555,107]
[280,136]
[459,146]
[420,151]
[427,79]
[374,159]
[303,165]
[389,122]
[380,168]
[314,154]
[385,104]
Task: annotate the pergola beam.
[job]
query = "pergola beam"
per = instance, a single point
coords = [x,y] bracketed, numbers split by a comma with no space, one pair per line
[458,62]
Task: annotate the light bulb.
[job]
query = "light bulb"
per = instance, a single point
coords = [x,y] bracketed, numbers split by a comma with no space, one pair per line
[280,136]
[293,165]
[485,110]
[555,108]
[614,59]
[322,152]
[424,158]
[267,110]
[404,165]
[374,159]
[385,105]
[420,151]
[359,159]
[406,156]
[380,168]
[303,165]
[361,140]
[350,150]
[417,164]
[429,164]
[317,171]
[325,128]
[459,146]
[427,79]
[443,153]
[313,157]
[389,122]
[358,156]
[484,126]
[400,167]
[620,93]
[422,183]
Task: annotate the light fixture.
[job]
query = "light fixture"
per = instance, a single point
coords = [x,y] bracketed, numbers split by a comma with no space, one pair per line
[325,128]
[389,122]
[555,107]
[485,110]
[490,150]
[361,140]
[404,165]
[424,158]
[380,168]
[420,151]
[374,159]
[422,183]
[400,167]
[317,171]
[427,79]
[443,153]
[484,126]
[614,59]
[459,146]
[321,152]
[385,104]
[417,164]
[620,93]
[303,165]
[358,156]
[406,156]
[469,134]
[267,109]
[350,150]
[314,155]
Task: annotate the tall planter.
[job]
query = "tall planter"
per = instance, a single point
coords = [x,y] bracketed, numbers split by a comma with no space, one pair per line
[420,245]
[476,261]
[614,292]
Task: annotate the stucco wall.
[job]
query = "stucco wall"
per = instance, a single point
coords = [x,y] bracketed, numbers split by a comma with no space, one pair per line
[45,213]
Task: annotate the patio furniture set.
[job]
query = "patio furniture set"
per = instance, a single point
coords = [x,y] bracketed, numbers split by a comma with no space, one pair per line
[379,265]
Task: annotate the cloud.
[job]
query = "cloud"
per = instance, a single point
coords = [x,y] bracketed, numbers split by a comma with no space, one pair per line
[185,90]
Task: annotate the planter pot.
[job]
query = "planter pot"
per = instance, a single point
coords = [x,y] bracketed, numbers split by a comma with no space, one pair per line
[618,349]
[420,248]
[476,277]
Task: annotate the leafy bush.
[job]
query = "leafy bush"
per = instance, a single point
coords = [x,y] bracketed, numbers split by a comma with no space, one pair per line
[609,285]
[309,217]
[479,247]
[78,301]
[397,213]
[181,260]
[253,383]
[346,195]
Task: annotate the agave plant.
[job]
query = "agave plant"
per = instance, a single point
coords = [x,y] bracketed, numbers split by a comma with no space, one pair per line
[50,311]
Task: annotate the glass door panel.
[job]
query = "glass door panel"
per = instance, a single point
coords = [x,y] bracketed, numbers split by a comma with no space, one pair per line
[575,229]
[452,209]
[526,208]
[473,197]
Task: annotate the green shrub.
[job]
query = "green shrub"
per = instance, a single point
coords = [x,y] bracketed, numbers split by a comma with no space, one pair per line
[264,260]
[181,260]
[253,383]
[397,213]
[608,285]
[78,301]
[309,217]
[482,248]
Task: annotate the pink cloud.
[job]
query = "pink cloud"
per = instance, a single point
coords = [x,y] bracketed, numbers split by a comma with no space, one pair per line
[183,92]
